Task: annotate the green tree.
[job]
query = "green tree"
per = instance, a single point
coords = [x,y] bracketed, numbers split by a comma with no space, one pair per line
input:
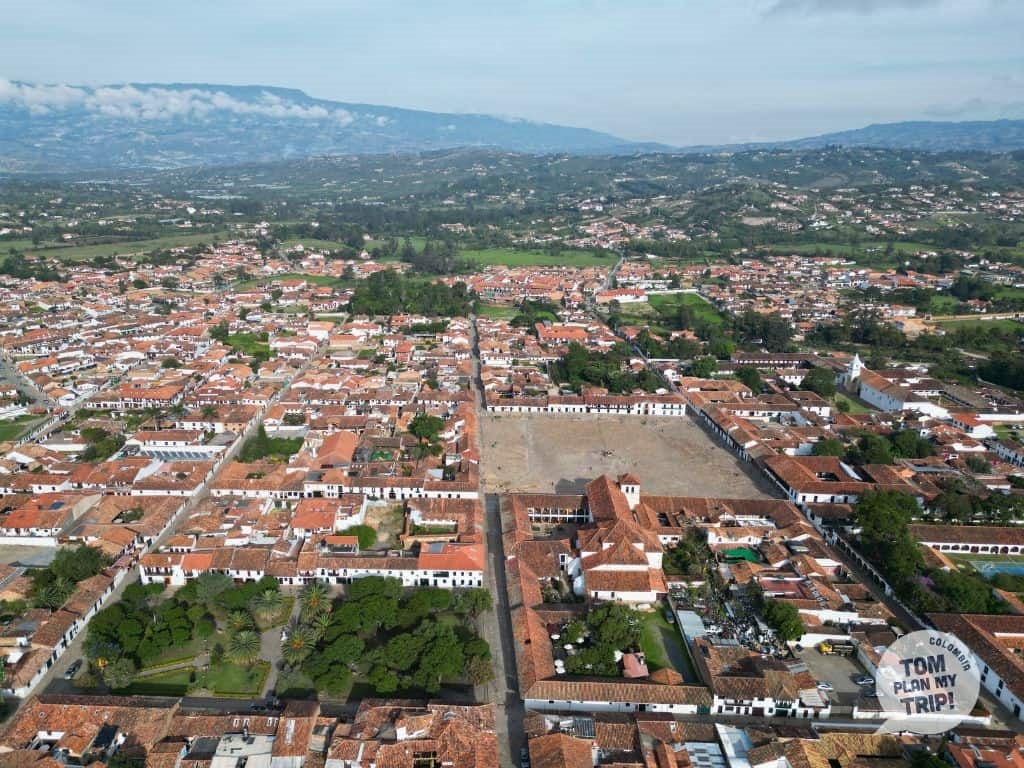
[314,600]
[220,332]
[426,429]
[874,449]
[749,375]
[239,621]
[820,380]
[614,625]
[244,646]
[401,652]
[784,618]
[300,642]
[210,585]
[703,367]
[474,601]
[883,517]
[908,444]
[829,447]
[266,605]
[479,670]
[119,673]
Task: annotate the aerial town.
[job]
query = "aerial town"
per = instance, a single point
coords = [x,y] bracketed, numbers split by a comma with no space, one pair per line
[636,481]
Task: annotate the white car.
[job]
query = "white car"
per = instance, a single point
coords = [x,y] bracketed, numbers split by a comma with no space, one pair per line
[824,685]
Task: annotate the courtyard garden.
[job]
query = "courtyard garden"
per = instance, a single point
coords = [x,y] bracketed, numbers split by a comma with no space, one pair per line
[206,637]
[381,639]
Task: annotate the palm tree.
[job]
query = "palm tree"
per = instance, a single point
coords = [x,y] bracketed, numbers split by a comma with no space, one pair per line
[298,646]
[313,601]
[57,592]
[239,620]
[267,605]
[244,646]
[320,624]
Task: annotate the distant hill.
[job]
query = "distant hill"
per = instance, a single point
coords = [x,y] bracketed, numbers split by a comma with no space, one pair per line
[143,125]
[932,136]
[928,136]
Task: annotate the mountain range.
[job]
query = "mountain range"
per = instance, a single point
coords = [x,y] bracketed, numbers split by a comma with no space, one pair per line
[64,128]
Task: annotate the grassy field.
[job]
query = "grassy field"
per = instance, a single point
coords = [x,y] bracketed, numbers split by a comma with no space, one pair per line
[1007,432]
[173,683]
[663,646]
[855,406]
[248,344]
[1002,325]
[12,430]
[942,304]
[310,243]
[671,302]
[513,258]
[227,679]
[495,311]
[85,252]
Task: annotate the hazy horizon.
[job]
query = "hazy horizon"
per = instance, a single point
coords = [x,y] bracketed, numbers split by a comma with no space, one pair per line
[755,70]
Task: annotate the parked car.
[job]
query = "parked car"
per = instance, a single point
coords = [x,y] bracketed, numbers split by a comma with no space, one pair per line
[825,685]
[72,669]
[864,680]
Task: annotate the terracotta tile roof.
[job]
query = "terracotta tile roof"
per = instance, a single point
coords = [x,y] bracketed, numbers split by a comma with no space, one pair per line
[558,750]
[592,690]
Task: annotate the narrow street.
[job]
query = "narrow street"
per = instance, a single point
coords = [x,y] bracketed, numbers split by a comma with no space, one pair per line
[496,626]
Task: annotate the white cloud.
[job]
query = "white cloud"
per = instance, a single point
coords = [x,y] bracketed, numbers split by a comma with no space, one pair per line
[131,103]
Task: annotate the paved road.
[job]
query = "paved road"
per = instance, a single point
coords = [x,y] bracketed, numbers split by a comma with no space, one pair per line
[24,385]
[496,626]
[270,646]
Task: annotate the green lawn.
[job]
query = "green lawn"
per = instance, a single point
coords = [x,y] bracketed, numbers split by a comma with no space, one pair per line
[671,302]
[228,679]
[855,405]
[496,311]
[84,252]
[1011,326]
[178,653]
[311,243]
[248,344]
[964,558]
[663,646]
[943,304]
[12,430]
[173,683]
[1006,432]
[275,448]
[513,258]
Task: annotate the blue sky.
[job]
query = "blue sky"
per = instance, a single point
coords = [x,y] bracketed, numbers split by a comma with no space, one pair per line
[678,71]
